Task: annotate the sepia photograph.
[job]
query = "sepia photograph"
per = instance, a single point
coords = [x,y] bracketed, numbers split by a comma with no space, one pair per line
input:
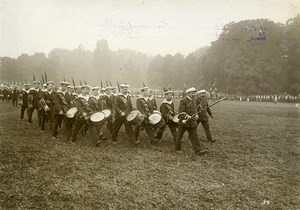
[150,104]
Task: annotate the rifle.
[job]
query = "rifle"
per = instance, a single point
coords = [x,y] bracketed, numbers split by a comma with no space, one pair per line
[73,82]
[46,77]
[185,120]
[118,86]
[43,79]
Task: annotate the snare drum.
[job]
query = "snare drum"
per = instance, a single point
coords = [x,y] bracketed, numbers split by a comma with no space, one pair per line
[71,112]
[156,120]
[98,118]
[135,118]
[176,118]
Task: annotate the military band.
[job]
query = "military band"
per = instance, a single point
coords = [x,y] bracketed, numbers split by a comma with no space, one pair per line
[96,110]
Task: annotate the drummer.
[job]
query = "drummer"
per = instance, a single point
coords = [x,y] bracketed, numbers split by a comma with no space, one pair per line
[143,106]
[93,102]
[83,113]
[104,103]
[60,109]
[93,99]
[167,111]
[151,101]
[122,107]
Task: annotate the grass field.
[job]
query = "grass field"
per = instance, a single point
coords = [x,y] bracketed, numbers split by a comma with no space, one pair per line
[254,164]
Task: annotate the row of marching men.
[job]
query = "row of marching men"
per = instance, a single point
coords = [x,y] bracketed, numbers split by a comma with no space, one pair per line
[101,112]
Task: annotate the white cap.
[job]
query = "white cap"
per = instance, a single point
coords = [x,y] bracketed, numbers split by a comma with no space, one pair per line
[95,88]
[192,89]
[64,83]
[202,91]
[109,88]
[124,86]
[50,82]
[85,86]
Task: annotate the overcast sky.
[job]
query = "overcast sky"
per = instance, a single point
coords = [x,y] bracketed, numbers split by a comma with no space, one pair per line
[150,26]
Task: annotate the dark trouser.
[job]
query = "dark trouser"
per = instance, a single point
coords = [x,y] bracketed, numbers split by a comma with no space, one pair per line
[15,102]
[193,136]
[172,126]
[69,124]
[39,111]
[46,116]
[98,130]
[30,113]
[57,121]
[109,125]
[205,125]
[148,129]
[80,122]
[118,122]
[23,108]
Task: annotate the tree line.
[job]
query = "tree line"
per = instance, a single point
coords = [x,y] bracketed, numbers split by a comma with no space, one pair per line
[250,57]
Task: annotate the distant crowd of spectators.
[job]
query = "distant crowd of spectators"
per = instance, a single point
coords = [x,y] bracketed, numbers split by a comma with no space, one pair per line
[286,98]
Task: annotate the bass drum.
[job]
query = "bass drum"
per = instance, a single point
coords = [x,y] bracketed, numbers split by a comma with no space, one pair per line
[98,119]
[156,120]
[71,112]
[135,118]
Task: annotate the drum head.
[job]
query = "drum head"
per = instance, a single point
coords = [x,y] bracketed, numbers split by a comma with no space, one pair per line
[71,112]
[97,117]
[156,112]
[155,118]
[132,115]
[106,112]
[176,118]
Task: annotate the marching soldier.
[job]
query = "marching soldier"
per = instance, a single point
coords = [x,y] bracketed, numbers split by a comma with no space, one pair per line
[152,102]
[202,103]
[34,97]
[143,106]
[83,113]
[48,98]
[112,96]
[188,122]
[69,94]
[93,102]
[167,111]
[24,100]
[93,99]
[70,99]
[60,109]
[14,96]
[122,107]
[104,102]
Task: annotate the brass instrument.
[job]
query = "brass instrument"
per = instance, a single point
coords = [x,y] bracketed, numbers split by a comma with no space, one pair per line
[43,105]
